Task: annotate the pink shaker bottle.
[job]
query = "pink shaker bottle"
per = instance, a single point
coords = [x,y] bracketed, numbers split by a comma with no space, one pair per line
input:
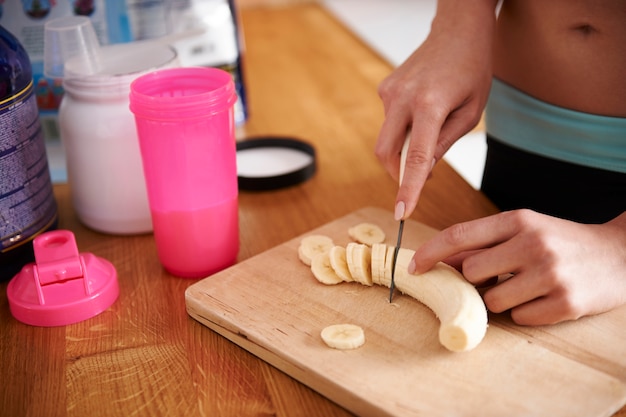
[185,125]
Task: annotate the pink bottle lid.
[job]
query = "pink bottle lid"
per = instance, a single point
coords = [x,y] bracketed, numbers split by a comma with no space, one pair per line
[62,286]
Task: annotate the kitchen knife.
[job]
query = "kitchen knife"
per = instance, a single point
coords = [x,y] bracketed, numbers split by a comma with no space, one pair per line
[403,153]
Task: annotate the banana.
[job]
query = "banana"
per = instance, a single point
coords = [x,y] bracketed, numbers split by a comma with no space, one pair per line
[323,271]
[359,259]
[339,264]
[343,336]
[367,233]
[457,304]
[312,245]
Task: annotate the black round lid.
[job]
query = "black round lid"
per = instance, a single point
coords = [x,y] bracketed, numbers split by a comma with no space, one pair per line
[269,163]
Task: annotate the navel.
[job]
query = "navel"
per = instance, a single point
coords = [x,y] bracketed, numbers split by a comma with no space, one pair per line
[584,29]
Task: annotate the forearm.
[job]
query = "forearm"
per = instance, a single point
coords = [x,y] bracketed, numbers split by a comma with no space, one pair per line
[468,19]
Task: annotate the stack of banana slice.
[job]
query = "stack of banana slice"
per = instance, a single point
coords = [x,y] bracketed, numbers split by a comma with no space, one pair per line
[368,261]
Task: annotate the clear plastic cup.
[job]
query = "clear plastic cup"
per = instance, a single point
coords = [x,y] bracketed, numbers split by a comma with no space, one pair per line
[70,37]
[185,124]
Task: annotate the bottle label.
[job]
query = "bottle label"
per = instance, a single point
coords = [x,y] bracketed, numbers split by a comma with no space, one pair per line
[27,204]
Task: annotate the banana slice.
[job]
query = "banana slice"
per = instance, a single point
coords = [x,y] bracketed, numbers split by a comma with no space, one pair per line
[385,278]
[312,245]
[359,259]
[379,254]
[367,233]
[343,336]
[323,271]
[451,297]
[404,258]
[339,264]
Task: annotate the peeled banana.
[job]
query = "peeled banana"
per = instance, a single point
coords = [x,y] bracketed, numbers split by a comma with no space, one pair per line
[457,304]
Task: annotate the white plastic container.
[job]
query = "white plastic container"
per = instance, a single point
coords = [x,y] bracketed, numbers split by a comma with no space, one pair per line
[98,132]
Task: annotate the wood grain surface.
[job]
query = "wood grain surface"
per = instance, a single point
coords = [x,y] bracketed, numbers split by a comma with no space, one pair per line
[306,76]
[272,306]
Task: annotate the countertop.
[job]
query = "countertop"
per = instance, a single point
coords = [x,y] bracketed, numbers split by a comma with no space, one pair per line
[306,76]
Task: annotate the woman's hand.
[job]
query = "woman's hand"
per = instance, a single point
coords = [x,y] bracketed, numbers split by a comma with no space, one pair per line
[439,93]
[561,270]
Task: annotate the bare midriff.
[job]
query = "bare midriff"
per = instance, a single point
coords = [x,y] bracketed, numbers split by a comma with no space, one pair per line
[570,53]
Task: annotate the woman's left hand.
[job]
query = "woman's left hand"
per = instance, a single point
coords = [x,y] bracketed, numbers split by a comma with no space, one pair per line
[562,270]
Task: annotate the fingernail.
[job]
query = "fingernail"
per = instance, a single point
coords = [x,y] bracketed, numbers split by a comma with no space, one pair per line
[399,213]
[411,268]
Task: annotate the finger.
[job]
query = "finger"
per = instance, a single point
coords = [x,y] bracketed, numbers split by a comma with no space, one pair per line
[390,140]
[419,162]
[520,289]
[504,258]
[458,123]
[457,259]
[550,309]
[473,235]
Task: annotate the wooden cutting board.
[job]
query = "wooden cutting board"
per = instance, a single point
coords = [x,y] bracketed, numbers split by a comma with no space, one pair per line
[272,306]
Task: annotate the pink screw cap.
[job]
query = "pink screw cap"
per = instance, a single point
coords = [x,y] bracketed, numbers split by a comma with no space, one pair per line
[62,286]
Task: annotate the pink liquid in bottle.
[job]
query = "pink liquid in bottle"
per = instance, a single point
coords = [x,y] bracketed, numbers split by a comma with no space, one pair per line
[197,243]
[185,125]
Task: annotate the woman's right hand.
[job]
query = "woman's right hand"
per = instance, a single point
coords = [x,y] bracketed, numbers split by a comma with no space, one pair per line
[438,94]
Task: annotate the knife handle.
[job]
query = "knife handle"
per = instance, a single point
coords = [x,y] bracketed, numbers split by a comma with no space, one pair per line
[405,150]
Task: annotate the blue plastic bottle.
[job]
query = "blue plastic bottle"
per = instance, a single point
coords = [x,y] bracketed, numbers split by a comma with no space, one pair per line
[27,204]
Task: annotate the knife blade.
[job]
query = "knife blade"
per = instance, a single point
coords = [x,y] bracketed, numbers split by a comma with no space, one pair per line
[403,153]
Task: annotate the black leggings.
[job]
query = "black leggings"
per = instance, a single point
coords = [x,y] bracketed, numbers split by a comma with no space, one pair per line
[517,179]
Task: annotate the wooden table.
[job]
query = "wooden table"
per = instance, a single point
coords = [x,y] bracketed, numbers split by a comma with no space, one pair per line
[307,76]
